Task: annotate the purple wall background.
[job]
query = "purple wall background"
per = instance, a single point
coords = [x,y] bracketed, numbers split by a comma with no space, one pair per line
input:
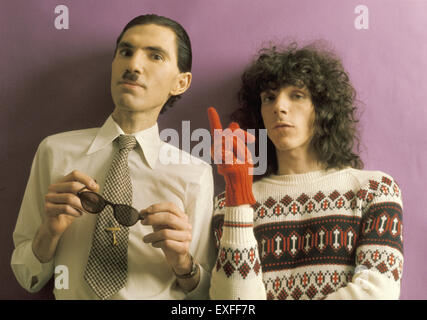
[58,80]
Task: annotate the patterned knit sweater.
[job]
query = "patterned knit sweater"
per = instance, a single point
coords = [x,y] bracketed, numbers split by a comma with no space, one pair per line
[333,234]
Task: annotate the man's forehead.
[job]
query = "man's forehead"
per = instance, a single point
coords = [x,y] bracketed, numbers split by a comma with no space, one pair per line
[278,87]
[150,35]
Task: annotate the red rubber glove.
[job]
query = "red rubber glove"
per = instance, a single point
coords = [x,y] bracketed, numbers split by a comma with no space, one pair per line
[234,162]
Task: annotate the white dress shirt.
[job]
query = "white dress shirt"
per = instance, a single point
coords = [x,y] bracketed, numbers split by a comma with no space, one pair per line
[189,185]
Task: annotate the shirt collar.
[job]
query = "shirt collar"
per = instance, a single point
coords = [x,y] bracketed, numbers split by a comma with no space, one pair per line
[148,139]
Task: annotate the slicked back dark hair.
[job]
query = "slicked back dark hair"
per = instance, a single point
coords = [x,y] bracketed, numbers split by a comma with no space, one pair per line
[183,44]
[335,138]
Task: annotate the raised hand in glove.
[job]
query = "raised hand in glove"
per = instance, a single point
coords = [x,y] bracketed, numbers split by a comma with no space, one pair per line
[233,159]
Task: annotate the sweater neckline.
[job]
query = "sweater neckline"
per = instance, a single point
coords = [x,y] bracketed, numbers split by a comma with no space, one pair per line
[308,177]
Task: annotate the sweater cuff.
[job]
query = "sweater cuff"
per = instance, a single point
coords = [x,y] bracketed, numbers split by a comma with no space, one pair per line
[368,285]
[238,225]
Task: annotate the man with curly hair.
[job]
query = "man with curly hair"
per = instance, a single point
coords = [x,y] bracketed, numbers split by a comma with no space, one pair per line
[109,255]
[314,226]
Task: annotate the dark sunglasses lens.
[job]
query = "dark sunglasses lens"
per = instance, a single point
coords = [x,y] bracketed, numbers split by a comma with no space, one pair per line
[92,202]
[126,215]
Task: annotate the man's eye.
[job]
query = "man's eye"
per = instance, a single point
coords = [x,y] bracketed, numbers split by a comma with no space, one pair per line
[157,56]
[298,96]
[125,52]
[268,98]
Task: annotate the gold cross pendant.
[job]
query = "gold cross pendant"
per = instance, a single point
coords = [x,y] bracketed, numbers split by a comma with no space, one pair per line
[113,230]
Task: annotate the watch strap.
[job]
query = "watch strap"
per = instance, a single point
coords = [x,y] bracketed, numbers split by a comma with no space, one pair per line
[191,274]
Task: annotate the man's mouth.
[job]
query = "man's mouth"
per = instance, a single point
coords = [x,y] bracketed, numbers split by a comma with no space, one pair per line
[129,83]
[283,125]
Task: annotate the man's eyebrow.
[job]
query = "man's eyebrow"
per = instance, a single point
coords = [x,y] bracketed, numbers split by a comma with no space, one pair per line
[125,44]
[303,90]
[268,91]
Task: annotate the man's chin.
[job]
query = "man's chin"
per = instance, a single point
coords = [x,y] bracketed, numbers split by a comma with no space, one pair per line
[128,101]
[127,108]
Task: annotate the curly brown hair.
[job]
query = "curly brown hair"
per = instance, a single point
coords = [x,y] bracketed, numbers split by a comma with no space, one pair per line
[335,137]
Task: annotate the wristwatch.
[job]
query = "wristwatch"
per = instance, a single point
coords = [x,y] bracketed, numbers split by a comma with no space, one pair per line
[191,274]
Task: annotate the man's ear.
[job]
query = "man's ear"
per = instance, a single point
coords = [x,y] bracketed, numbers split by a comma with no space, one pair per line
[183,82]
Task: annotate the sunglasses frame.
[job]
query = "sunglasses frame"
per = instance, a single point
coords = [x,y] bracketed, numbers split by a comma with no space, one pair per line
[113,205]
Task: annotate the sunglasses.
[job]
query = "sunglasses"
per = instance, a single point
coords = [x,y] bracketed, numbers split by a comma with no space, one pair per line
[92,202]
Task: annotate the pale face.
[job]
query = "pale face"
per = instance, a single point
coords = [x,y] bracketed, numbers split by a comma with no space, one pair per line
[288,115]
[145,71]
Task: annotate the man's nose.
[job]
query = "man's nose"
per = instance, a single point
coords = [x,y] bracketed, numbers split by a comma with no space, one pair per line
[281,104]
[135,64]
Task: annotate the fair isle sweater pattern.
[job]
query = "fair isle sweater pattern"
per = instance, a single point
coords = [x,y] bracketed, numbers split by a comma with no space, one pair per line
[313,230]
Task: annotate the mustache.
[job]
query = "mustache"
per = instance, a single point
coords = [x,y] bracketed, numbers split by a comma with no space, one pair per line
[132,78]
[127,75]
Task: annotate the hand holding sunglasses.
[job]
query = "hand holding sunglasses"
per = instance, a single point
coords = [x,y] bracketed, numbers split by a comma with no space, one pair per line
[93,202]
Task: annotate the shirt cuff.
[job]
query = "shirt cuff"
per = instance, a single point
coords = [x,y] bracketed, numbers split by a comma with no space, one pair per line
[201,292]
[29,271]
